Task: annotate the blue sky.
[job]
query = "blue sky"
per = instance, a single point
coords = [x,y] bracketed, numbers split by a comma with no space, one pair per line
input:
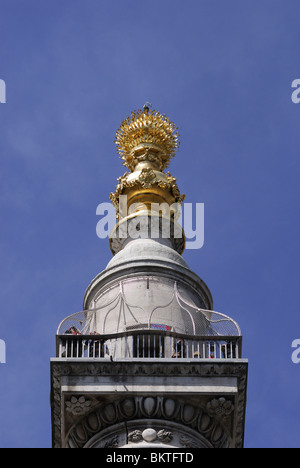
[222,70]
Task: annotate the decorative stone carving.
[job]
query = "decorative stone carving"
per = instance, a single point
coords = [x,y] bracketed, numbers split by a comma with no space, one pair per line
[160,408]
[187,442]
[112,443]
[196,414]
[150,435]
[221,408]
[165,436]
[135,436]
[78,406]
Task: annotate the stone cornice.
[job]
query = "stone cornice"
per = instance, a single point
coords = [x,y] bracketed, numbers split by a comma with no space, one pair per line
[66,369]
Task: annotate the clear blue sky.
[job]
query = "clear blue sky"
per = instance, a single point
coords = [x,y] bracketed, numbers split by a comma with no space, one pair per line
[222,70]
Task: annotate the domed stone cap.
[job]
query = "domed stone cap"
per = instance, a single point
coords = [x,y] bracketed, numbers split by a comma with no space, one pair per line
[147,250]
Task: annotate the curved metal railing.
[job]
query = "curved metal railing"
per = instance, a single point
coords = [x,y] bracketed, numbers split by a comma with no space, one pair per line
[148,344]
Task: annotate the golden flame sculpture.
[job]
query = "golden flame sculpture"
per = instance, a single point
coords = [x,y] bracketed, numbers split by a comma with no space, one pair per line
[146,142]
[147,135]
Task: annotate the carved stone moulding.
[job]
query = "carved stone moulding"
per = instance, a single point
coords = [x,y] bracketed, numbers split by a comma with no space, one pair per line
[140,421]
[219,418]
[148,434]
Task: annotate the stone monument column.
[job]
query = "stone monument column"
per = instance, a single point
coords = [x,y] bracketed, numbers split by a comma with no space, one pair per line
[148,362]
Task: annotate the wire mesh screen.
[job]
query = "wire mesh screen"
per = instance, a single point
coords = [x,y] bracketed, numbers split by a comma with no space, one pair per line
[149,302]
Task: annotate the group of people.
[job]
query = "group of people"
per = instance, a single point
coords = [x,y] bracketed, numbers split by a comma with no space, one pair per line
[228,350]
[95,348]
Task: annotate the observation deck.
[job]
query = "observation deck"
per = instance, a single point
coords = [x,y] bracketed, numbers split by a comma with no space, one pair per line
[148,344]
[166,325]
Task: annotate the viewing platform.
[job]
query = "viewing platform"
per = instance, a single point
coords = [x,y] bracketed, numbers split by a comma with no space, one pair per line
[75,340]
[149,344]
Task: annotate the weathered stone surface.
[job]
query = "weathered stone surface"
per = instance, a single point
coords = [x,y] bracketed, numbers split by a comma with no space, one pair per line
[208,398]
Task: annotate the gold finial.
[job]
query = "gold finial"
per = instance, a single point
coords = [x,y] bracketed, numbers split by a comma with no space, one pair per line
[146,142]
[147,136]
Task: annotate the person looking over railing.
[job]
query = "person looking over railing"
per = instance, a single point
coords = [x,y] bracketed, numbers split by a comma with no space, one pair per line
[179,349]
[98,348]
[71,350]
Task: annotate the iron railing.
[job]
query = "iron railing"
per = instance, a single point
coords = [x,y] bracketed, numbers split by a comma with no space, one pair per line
[148,344]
